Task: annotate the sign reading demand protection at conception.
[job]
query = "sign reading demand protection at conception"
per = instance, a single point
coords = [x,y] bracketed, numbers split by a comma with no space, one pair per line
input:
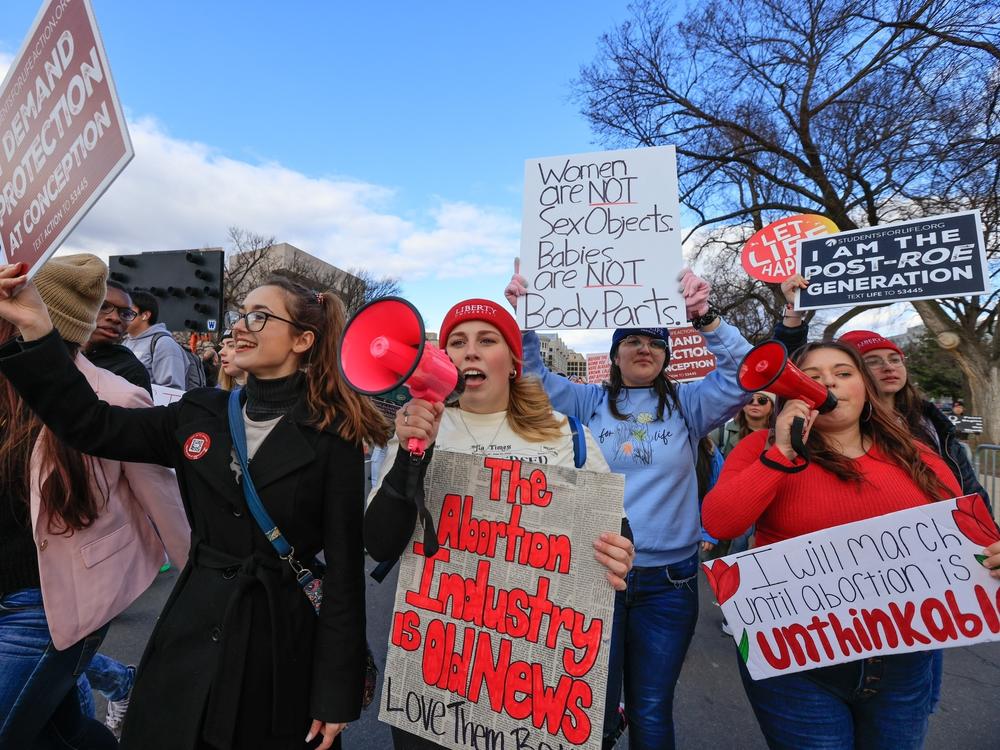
[63,138]
[600,241]
[906,581]
[941,256]
[501,638]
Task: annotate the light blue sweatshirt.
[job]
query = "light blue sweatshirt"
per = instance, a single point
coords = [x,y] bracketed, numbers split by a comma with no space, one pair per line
[656,457]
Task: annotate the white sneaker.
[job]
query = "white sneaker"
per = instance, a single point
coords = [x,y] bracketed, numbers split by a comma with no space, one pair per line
[726,629]
[115,716]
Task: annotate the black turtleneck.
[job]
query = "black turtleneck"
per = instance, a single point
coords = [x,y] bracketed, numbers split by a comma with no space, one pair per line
[267,399]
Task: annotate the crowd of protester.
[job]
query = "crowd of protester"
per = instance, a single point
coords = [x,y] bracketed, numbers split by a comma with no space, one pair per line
[99,488]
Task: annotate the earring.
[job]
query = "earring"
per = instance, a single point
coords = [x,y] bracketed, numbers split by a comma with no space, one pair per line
[513,374]
[867,413]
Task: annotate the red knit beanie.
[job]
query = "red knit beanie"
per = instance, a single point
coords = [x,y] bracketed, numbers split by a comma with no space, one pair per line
[490,312]
[866,341]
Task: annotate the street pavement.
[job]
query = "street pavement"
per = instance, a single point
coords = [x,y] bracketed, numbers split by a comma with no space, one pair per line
[711,710]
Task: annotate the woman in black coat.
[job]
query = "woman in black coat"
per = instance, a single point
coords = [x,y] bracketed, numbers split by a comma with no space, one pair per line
[238,658]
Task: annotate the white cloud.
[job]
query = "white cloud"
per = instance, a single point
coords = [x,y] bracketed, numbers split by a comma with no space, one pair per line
[178,194]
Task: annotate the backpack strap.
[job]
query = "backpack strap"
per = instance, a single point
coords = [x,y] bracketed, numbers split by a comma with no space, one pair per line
[579,442]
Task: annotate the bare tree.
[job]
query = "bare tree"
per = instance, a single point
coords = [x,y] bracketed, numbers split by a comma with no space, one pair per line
[363,286]
[246,263]
[865,111]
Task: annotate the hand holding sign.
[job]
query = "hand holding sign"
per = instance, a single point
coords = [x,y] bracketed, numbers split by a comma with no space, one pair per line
[695,291]
[518,286]
[21,304]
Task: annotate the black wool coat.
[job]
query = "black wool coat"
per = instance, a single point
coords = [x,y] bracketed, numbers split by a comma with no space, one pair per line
[238,658]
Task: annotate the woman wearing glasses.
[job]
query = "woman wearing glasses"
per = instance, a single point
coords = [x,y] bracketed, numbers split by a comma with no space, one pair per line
[756,415]
[648,429]
[238,658]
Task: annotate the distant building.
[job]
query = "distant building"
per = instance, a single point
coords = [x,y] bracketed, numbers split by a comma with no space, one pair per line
[558,357]
[294,263]
[911,337]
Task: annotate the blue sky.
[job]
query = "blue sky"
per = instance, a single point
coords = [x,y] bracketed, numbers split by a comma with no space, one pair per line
[390,136]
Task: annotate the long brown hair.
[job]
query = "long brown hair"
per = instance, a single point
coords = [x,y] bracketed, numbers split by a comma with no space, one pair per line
[329,398]
[881,427]
[909,403]
[743,423]
[666,393]
[66,494]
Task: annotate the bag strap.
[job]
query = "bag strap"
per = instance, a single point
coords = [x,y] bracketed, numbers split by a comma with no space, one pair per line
[285,550]
[579,442]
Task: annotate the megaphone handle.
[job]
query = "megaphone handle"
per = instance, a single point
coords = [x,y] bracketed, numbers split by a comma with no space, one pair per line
[798,426]
[415,490]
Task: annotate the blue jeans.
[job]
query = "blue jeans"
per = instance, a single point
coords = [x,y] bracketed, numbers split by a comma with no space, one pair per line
[39,702]
[112,678]
[881,703]
[654,620]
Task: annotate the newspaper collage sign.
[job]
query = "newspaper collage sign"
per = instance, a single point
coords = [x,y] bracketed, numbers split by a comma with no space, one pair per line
[500,639]
[63,138]
[906,581]
[600,241]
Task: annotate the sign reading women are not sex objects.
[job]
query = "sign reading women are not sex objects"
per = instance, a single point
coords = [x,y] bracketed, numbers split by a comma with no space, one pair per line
[906,581]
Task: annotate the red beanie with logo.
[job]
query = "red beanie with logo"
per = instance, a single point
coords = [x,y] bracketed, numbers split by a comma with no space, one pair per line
[866,341]
[490,312]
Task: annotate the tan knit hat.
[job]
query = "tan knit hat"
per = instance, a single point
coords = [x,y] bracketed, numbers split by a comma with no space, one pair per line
[73,287]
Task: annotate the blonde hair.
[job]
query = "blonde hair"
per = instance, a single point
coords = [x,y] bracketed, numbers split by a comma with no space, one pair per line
[529,411]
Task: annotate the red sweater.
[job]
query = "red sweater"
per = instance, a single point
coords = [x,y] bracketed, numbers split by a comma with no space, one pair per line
[788,505]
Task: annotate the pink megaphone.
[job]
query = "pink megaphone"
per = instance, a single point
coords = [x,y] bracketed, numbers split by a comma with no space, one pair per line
[384,347]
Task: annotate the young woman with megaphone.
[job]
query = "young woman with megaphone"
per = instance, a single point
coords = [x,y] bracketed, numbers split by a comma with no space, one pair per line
[649,428]
[240,656]
[862,463]
[499,413]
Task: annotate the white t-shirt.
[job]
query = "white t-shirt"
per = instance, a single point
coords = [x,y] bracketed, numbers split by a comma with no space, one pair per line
[491,435]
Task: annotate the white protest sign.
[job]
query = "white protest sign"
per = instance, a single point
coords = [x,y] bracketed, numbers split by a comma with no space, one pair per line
[932,258]
[906,581]
[501,638]
[600,241]
[163,395]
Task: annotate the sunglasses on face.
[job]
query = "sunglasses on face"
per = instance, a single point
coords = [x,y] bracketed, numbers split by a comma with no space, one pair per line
[255,320]
[760,400]
[877,363]
[125,314]
[634,342]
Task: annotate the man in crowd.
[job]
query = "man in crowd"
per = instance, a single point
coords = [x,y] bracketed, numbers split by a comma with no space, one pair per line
[152,343]
[105,349]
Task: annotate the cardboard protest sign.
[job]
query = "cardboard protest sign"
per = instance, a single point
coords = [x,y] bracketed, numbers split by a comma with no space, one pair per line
[500,639]
[63,138]
[967,423]
[600,241]
[941,256]
[690,358]
[770,254]
[905,581]
[598,367]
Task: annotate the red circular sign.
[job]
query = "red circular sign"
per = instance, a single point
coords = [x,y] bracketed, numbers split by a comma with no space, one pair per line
[197,446]
[770,254]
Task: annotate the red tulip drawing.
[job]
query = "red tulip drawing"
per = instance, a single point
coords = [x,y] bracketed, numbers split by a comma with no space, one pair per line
[974,521]
[724,579]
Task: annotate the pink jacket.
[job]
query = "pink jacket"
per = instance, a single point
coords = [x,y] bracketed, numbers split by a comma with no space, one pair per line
[91,576]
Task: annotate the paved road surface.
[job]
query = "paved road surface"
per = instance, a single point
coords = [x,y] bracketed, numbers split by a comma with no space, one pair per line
[711,710]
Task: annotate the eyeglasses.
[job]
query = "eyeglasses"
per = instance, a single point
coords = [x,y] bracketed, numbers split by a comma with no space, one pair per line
[877,363]
[760,400]
[125,314]
[634,342]
[256,320]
